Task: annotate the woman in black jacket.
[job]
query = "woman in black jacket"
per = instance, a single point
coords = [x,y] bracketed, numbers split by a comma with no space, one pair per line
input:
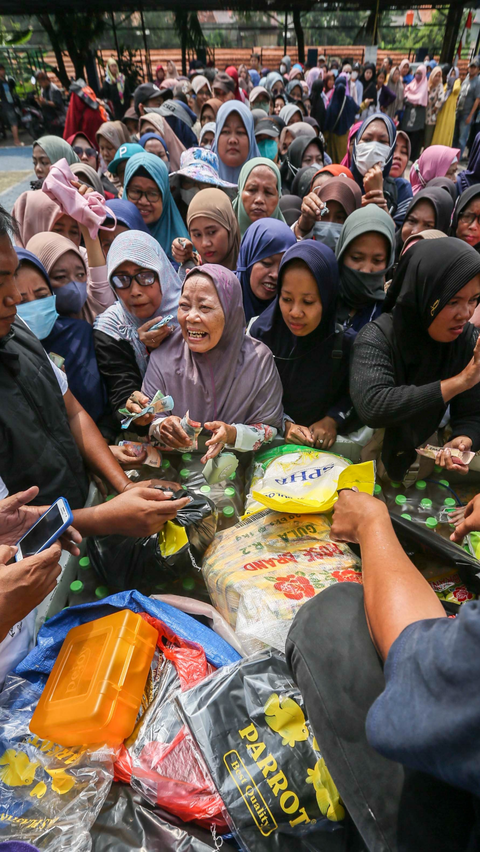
[115,89]
[410,364]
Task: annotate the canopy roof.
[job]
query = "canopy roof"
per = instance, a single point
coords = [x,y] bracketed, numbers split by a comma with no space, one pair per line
[31,7]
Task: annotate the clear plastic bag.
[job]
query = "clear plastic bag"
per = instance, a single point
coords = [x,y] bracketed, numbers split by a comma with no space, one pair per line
[50,796]
[260,572]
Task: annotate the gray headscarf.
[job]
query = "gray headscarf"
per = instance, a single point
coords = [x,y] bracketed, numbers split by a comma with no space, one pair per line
[56,148]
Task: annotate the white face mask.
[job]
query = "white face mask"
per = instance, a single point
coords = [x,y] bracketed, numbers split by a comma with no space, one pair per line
[368,154]
[283,68]
[188,194]
[354,75]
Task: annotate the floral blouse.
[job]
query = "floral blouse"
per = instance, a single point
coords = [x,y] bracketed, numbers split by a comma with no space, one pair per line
[435,101]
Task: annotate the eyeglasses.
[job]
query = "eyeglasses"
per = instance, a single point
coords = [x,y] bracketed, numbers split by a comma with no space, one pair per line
[90,152]
[152,195]
[469,218]
[124,281]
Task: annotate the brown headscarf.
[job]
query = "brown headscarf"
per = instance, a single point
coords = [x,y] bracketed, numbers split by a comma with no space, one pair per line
[213,103]
[115,132]
[216,205]
[159,125]
[51,247]
[345,191]
[34,212]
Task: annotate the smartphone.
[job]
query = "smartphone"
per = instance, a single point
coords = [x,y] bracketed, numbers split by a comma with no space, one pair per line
[46,530]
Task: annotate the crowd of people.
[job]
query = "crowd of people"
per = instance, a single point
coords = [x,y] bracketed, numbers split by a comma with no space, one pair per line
[290,254]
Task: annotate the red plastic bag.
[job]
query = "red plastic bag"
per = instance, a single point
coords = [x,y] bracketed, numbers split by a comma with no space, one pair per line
[161,759]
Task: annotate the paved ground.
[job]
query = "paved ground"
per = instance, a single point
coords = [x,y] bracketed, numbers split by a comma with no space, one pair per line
[15,174]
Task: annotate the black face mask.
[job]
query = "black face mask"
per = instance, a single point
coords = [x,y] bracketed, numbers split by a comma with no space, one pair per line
[360,288]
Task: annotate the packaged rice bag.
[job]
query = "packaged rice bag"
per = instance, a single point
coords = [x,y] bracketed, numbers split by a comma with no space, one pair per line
[301,479]
[261,571]
[451,589]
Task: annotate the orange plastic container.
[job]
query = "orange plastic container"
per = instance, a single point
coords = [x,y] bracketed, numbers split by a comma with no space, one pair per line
[94,690]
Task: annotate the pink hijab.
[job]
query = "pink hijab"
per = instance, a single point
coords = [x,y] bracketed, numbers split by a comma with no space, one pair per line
[236,381]
[434,162]
[347,160]
[34,212]
[417,92]
[313,75]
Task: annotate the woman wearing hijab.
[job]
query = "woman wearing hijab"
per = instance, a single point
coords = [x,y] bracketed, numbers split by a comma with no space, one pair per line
[115,89]
[317,108]
[365,251]
[294,91]
[465,222]
[352,133]
[208,113]
[274,83]
[259,191]
[152,143]
[226,380]
[36,213]
[325,210]
[214,233]
[46,152]
[409,365]
[340,116]
[446,184]
[430,209]
[203,91]
[128,219]
[146,289]
[325,174]
[299,328]
[471,175]
[291,206]
[401,156]
[303,151]
[404,68]
[369,83]
[69,338]
[290,114]
[110,137]
[261,250]
[395,84]
[153,122]
[436,161]
[293,131]
[235,142]
[303,180]
[445,126]
[434,104]
[147,186]
[416,100]
[261,99]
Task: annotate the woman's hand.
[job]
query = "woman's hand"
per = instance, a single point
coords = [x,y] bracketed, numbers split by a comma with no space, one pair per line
[127,457]
[182,250]
[445,459]
[373,180]
[153,339]
[375,197]
[324,433]
[171,433]
[471,373]
[136,402]
[470,522]
[310,212]
[82,188]
[222,434]
[295,434]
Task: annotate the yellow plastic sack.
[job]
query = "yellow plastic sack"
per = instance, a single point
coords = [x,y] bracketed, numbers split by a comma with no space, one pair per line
[306,480]
[261,571]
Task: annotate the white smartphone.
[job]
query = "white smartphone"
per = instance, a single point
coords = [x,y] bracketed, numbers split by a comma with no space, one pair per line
[46,530]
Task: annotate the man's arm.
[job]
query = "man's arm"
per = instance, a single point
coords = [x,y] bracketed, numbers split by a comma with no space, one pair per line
[25,584]
[473,111]
[396,593]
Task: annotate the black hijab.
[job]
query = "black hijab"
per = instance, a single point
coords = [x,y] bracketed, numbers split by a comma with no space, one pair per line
[293,160]
[446,184]
[305,363]
[442,204]
[317,109]
[428,276]
[303,179]
[369,86]
[463,201]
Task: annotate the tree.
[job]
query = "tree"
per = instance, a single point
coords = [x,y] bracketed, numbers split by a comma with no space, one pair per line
[74,32]
[191,35]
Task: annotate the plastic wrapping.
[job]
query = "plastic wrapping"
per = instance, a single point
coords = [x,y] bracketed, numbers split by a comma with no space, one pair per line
[306,480]
[160,759]
[144,826]
[166,562]
[215,620]
[260,572]
[50,796]
[249,722]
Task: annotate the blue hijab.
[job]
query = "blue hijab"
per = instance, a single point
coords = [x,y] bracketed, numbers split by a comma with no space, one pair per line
[72,339]
[342,109]
[170,224]
[228,172]
[146,136]
[127,214]
[262,239]
[305,363]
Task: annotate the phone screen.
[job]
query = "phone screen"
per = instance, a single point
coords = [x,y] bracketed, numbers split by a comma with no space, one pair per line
[42,531]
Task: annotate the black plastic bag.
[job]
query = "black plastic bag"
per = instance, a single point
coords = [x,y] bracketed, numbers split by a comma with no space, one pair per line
[249,722]
[127,823]
[148,565]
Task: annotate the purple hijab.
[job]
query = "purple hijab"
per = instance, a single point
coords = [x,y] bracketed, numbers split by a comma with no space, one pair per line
[471,175]
[235,382]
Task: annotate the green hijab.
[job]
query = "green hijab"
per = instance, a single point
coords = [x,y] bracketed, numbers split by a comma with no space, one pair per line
[56,148]
[362,221]
[243,219]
